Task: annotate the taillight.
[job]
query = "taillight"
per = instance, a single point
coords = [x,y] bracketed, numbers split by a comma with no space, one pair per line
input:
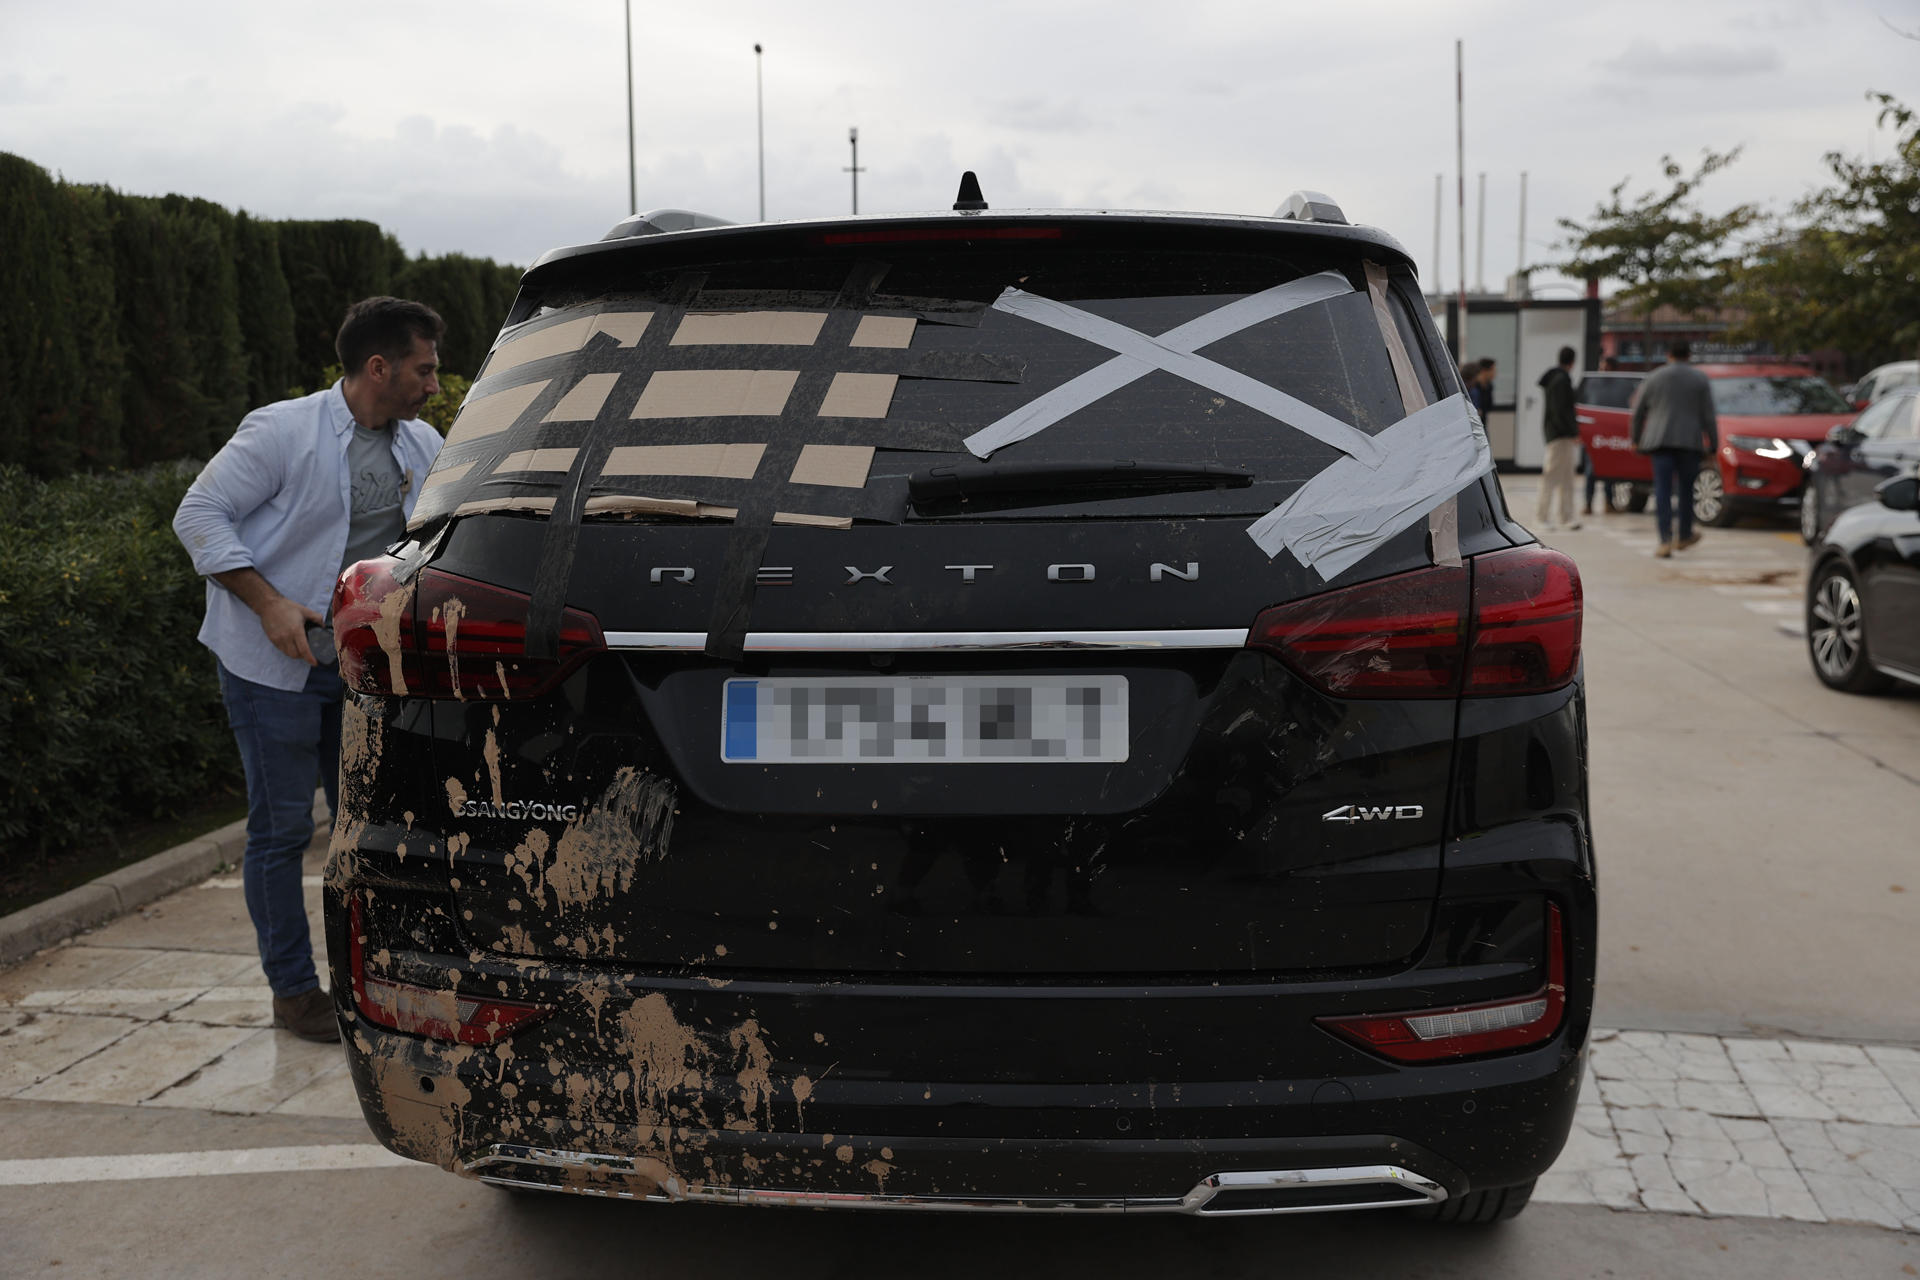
[1464,1030]
[1507,623]
[444,636]
[441,1015]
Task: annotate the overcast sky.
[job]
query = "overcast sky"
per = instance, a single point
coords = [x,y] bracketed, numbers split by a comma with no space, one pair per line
[500,129]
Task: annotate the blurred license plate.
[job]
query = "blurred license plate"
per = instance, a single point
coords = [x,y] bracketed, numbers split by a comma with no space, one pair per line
[925,720]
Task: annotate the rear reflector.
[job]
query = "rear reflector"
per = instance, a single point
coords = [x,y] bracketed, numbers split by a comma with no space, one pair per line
[446,636]
[1466,1030]
[1508,622]
[440,1015]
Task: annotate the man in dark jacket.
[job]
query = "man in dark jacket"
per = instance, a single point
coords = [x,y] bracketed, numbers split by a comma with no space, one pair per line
[1674,423]
[1563,443]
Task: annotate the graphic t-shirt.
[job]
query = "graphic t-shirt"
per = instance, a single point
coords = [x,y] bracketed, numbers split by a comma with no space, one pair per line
[376,518]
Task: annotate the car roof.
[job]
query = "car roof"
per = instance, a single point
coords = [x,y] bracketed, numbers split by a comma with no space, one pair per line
[807,231]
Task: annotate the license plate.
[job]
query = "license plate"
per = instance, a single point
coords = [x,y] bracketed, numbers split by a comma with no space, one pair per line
[925,720]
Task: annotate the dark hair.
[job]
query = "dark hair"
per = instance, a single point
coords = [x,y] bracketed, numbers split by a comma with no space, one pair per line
[1487,362]
[1681,350]
[384,327]
[1566,355]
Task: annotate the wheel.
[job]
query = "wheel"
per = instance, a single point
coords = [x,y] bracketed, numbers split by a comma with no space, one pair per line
[1710,504]
[1837,635]
[1810,529]
[1623,496]
[1478,1208]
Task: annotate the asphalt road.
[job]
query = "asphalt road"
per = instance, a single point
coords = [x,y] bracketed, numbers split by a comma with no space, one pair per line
[1755,835]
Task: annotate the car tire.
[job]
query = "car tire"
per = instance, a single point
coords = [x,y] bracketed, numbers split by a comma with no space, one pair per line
[1837,633]
[1711,506]
[1480,1208]
[1810,529]
[1627,498]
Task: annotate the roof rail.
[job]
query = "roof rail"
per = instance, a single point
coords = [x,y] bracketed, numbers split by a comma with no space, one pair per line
[655,221]
[1311,206]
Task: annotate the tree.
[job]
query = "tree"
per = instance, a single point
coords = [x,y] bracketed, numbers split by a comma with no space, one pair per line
[1843,268]
[1660,246]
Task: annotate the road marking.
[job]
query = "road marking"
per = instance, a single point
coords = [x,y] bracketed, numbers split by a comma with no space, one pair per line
[197,1164]
[235,882]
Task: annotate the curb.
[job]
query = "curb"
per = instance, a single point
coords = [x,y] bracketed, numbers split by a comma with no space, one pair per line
[118,892]
[115,894]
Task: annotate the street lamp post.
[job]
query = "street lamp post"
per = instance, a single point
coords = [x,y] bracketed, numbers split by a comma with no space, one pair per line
[760,128]
[633,185]
[853,141]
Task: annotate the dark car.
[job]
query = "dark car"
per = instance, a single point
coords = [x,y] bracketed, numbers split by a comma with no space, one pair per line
[1863,592]
[972,710]
[1845,469]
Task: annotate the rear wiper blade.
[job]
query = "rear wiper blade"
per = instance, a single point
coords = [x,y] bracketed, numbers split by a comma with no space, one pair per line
[950,484]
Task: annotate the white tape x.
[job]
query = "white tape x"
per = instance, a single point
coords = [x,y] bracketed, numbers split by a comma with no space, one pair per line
[1173,351]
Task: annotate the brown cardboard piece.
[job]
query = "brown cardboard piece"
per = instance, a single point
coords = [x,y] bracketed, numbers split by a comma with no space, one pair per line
[442,478]
[749,328]
[884,331]
[843,465]
[492,414]
[538,460]
[726,461]
[582,403]
[859,395]
[569,335]
[715,393]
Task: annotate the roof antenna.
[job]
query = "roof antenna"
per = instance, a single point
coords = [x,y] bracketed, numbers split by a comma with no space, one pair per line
[970,200]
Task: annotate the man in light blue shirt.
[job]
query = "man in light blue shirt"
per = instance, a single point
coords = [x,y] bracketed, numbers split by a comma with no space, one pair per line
[304,488]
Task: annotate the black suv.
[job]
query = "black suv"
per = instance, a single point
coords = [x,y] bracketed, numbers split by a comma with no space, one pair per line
[975,710]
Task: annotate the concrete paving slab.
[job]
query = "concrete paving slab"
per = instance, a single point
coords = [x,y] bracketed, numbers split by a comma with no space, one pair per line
[257,1074]
[69,967]
[155,1056]
[35,1046]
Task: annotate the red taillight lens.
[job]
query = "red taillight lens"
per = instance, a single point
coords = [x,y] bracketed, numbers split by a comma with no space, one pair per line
[1465,1030]
[444,636]
[1526,622]
[441,1015]
[1508,624]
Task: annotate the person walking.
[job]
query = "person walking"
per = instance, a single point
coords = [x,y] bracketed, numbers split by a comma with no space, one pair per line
[1563,442]
[1675,425]
[304,488]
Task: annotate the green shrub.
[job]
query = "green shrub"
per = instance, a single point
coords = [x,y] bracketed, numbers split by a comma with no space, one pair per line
[109,708]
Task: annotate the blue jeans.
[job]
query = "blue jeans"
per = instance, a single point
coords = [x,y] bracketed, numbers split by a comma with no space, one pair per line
[1674,471]
[287,742]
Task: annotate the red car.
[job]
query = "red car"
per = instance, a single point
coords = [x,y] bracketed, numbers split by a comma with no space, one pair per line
[1771,417]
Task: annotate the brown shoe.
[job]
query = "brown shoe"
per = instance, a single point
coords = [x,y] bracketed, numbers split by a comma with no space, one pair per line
[308,1015]
[1662,551]
[1686,542]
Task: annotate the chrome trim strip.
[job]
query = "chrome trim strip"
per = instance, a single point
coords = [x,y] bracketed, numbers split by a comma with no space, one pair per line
[896,641]
[1896,673]
[604,1175]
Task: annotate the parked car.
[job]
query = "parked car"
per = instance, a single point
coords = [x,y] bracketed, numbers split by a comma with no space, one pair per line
[1602,406]
[1845,468]
[1770,416]
[1863,593]
[759,787]
[1883,380]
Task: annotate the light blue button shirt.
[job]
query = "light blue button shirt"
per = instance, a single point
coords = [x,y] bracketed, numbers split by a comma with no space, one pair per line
[276,499]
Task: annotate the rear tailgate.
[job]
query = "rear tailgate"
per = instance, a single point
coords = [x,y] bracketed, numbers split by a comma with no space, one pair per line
[622,817]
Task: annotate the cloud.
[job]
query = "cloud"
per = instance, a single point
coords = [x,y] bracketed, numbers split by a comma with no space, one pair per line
[1644,60]
[1038,115]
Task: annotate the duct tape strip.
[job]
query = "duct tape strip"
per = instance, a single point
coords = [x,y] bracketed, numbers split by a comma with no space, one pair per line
[1339,517]
[1174,351]
[1443,522]
[555,574]
[739,571]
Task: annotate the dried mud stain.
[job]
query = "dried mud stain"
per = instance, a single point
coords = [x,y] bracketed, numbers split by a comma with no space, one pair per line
[598,854]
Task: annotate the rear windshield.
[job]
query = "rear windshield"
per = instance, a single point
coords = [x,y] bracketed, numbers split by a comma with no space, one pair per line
[756,352]
[1770,396]
[1607,393]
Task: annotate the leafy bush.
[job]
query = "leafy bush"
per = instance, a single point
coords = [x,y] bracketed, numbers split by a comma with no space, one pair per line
[109,708]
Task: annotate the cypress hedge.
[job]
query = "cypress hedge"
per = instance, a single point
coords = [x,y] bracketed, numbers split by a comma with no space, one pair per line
[141,329]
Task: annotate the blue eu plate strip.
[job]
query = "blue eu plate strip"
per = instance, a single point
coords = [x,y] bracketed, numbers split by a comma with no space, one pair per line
[743,706]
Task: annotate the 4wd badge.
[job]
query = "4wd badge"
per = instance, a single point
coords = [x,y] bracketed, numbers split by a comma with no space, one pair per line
[1372,813]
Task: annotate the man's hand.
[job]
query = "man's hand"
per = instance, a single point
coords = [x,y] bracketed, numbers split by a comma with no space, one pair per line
[285,621]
